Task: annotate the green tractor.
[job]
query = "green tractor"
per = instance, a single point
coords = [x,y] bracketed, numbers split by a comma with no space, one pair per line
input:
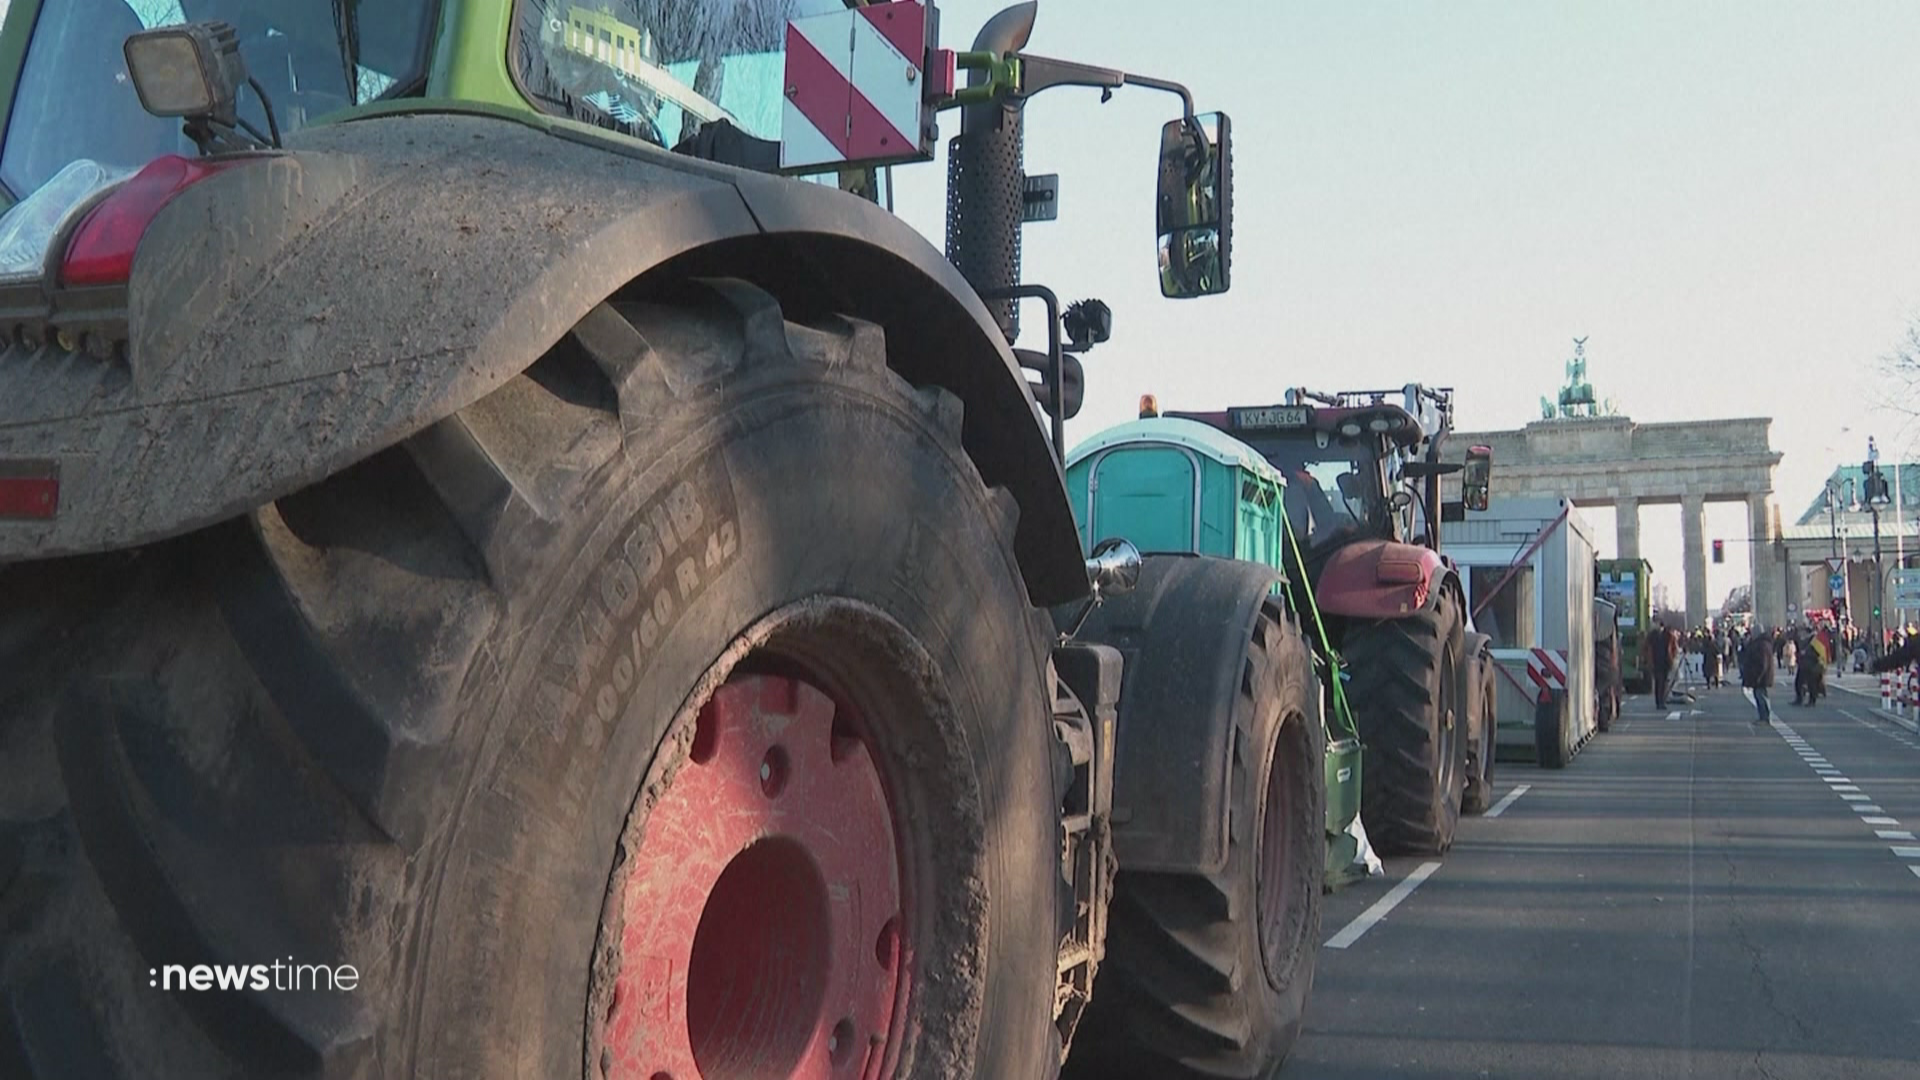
[512,562]
[1191,495]
[1353,480]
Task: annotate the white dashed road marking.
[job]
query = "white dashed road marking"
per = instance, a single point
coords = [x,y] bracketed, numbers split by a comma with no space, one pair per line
[1501,806]
[1855,799]
[1366,919]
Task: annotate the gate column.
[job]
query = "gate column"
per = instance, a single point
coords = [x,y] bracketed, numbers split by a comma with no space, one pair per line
[1694,557]
[1626,527]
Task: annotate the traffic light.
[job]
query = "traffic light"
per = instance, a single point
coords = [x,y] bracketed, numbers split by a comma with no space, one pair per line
[1719,551]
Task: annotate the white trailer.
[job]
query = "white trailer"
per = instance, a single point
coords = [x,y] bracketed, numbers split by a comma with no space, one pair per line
[1529,574]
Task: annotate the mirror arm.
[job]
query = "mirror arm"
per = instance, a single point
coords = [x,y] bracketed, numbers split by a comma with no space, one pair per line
[1039,73]
[1186,96]
[1056,357]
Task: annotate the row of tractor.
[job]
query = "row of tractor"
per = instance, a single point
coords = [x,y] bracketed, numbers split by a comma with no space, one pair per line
[471,515]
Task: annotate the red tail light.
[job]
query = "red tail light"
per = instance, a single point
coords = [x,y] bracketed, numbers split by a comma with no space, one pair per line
[101,252]
[29,489]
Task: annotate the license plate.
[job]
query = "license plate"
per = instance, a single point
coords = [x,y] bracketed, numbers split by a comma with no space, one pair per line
[1271,416]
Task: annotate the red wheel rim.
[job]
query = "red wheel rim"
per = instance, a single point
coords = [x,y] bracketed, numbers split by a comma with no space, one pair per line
[1278,823]
[762,931]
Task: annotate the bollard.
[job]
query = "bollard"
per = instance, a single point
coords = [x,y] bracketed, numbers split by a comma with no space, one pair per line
[1886,691]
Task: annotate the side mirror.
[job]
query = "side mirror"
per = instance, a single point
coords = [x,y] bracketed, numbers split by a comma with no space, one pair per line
[1195,206]
[1113,568]
[1476,482]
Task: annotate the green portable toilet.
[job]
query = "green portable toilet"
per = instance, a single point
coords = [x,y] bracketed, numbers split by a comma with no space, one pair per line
[1172,485]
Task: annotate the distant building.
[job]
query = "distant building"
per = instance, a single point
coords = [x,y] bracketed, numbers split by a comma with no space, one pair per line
[1849,482]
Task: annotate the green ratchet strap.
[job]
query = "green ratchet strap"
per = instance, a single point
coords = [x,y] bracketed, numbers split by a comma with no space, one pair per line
[1333,658]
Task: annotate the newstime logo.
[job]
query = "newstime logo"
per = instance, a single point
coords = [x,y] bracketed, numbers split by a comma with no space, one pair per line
[279,975]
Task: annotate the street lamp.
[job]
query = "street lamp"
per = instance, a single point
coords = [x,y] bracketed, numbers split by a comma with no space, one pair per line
[1877,497]
[1837,565]
[1833,516]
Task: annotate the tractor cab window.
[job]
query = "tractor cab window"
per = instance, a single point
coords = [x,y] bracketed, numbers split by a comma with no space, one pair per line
[660,70]
[75,100]
[1332,491]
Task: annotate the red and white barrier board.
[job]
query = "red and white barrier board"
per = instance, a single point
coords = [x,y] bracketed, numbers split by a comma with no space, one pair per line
[854,86]
[1548,668]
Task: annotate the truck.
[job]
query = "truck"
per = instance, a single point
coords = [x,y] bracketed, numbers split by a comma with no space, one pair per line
[1363,497]
[1528,565]
[1628,584]
[512,561]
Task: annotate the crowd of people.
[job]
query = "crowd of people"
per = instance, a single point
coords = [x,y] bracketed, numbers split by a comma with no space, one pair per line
[1755,655]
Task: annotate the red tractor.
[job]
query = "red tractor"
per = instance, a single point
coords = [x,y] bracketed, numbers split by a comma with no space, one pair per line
[1363,476]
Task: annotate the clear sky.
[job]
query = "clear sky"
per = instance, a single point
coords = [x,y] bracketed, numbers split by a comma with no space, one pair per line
[1723,197]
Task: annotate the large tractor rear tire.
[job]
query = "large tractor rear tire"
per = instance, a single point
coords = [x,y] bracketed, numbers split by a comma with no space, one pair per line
[1405,688]
[1207,975]
[676,710]
[1478,796]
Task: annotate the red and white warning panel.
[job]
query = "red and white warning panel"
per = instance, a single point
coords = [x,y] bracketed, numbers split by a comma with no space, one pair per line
[857,90]
[1548,669]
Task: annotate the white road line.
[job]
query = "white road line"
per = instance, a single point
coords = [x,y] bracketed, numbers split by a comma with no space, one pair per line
[1501,806]
[1906,852]
[1855,788]
[1867,808]
[1856,796]
[1674,715]
[1915,869]
[1838,780]
[1365,920]
[1893,834]
[1880,820]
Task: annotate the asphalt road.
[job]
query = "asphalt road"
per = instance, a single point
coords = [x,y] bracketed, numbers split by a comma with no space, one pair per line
[1696,896]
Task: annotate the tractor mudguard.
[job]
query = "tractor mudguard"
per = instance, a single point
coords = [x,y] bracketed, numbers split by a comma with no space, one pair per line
[1379,579]
[1183,632]
[1476,656]
[295,315]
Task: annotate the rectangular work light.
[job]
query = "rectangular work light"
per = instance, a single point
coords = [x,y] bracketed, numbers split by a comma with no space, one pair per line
[192,71]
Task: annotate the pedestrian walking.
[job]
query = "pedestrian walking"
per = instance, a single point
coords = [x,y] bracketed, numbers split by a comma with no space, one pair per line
[1676,648]
[1660,662]
[1756,674]
[1810,677]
